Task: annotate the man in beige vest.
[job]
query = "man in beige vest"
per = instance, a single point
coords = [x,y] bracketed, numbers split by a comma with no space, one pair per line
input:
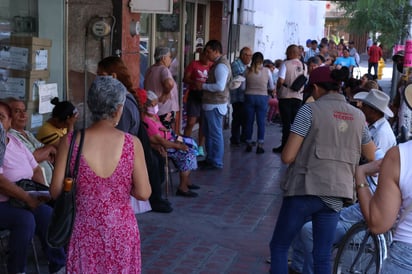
[289,100]
[214,104]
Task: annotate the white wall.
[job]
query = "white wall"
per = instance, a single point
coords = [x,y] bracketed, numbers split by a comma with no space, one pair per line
[282,23]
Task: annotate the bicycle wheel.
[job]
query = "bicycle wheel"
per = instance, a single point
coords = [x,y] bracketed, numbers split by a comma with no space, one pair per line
[359,252]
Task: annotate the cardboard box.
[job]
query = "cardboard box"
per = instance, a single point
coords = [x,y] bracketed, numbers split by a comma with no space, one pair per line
[26,41]
[25,53]
[21,84]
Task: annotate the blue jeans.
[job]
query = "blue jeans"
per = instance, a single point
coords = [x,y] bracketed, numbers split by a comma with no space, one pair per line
[399,259]
[292,216]
[213,131]
[302,259]
[23,224]
[256,105]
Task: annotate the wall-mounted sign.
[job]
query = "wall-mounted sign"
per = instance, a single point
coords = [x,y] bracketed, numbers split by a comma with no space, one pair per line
[152,6]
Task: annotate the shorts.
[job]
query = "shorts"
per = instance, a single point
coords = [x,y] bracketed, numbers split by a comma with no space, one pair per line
[194,104]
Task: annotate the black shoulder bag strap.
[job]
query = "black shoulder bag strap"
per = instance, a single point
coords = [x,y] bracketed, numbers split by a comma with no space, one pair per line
[69,155]
[79,152]
[304,66]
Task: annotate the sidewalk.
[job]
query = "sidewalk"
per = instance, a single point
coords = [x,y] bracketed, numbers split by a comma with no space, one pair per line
[226,229]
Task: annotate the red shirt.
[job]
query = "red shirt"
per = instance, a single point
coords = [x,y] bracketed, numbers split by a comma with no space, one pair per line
[375,53]
[198,72]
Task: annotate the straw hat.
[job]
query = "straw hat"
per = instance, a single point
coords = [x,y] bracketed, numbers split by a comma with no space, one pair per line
[375,98]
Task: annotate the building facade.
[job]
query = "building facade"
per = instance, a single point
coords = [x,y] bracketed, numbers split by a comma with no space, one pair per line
[76,34]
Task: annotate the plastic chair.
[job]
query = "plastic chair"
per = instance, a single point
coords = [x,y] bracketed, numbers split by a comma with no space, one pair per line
[4,239]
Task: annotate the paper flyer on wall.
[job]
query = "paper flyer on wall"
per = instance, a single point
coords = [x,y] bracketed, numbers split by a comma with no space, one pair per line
[46,93]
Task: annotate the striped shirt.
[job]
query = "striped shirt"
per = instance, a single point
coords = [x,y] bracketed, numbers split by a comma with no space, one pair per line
[301,127]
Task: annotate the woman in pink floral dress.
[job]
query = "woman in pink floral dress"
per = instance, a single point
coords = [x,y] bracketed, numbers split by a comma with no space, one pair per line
[105,237]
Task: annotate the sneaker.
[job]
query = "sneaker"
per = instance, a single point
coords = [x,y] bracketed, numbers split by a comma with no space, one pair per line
[200,151]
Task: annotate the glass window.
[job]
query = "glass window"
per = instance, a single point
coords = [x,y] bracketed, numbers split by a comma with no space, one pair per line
[31,51]
[168,35]
[145,47]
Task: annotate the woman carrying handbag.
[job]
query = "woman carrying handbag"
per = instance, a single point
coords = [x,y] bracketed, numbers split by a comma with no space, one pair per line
[105,236]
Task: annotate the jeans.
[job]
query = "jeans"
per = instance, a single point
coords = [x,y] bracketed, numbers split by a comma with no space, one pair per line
[375,68]
[238,123]
[288,108]
[294,212]
[256,105]
[399,259]
[23,224]
[213,131]
[302,258]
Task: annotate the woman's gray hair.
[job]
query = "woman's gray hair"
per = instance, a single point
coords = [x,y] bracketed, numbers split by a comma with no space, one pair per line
[160,52]
[104,97]
[151,96]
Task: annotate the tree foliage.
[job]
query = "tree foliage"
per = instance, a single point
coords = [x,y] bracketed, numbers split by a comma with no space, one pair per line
[389,19]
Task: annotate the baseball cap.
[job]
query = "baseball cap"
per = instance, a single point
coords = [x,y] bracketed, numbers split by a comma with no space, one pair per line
[321,75]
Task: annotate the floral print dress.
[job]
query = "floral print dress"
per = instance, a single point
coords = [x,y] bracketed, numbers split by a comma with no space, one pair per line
[105,236]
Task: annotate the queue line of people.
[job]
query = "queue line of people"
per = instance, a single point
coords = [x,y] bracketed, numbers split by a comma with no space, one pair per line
[312,240]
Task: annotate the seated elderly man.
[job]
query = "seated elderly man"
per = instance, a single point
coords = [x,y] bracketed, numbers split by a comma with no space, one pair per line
[16,163]
[44,154]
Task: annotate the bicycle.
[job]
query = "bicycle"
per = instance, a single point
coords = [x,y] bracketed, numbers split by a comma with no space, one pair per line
[361,251]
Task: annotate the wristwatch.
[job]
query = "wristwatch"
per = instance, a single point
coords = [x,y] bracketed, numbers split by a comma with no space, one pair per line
[362,185]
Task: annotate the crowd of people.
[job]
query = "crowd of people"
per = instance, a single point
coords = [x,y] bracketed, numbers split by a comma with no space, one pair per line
[317,185]
[331,121]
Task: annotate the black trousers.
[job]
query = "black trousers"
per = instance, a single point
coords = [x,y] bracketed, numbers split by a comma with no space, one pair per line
[154,163]
[375,68]
[288,108]
[238,123]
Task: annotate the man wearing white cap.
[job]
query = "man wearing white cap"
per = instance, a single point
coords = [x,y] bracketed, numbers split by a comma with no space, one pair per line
[375,107]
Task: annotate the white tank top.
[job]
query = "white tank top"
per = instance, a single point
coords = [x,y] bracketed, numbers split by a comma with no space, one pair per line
[404,228]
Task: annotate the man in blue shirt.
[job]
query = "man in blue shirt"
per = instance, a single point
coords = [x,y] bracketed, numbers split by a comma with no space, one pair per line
[214,104]
[237,97]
